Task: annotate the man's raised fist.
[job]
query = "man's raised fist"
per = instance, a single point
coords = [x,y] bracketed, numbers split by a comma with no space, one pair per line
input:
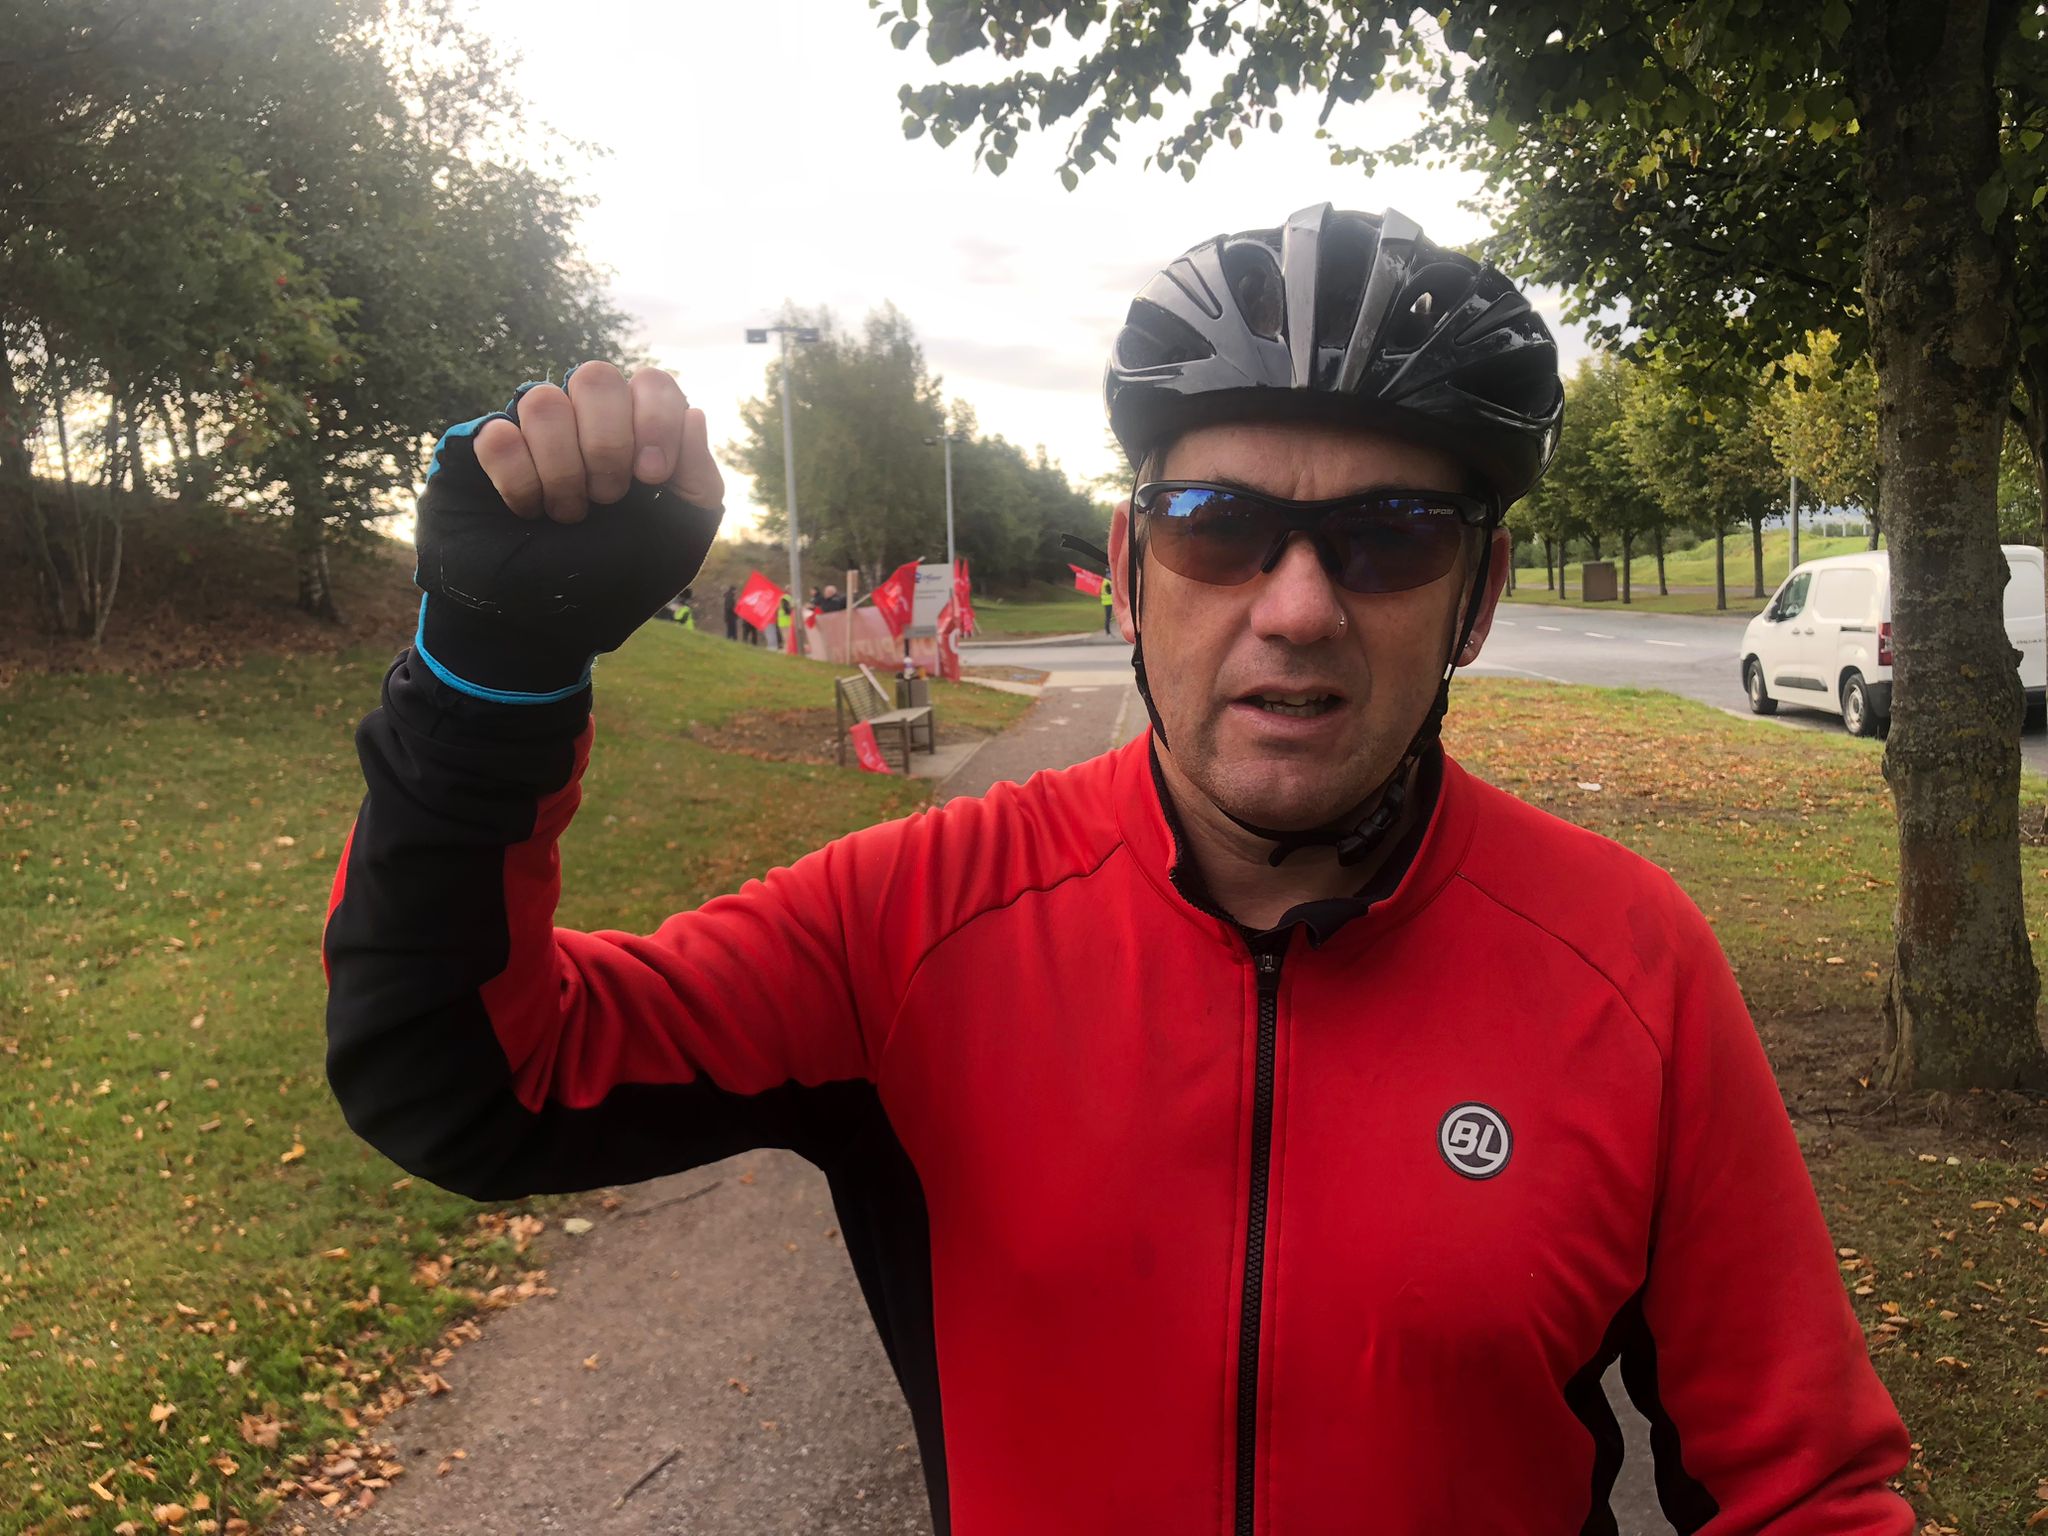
[551,530]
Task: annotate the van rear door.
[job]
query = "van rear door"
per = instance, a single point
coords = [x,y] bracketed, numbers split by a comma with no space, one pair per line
[2025,624]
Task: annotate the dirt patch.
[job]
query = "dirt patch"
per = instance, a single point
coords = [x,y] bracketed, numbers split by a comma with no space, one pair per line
[1828,1069]
[207,589]
[777,735]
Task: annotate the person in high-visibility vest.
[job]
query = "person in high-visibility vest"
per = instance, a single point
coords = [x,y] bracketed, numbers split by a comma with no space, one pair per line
[685,615]
[1108,624]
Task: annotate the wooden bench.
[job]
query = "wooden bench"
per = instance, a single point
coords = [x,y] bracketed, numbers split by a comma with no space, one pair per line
[861,698]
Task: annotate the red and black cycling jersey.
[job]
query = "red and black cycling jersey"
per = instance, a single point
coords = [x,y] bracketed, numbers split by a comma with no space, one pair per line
[1165,1227]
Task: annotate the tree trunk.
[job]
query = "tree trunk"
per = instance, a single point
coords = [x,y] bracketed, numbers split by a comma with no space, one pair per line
[1562,591]
[1549,568]
[18,496]
[309,545]
[1628,545]
[1756,545]
[1663,588]
[1793,518]
[1720,566]
[1959,1007]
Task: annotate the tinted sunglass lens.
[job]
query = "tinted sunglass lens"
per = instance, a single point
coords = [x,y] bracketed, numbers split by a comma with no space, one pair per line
[1400,545]
[1211,535]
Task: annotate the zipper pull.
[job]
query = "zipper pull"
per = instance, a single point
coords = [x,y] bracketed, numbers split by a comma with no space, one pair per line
[1267,962]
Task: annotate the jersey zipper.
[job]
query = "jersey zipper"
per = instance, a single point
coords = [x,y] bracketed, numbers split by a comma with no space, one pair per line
[1267,963]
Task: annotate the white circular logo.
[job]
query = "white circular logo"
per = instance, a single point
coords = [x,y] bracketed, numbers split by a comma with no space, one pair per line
[1475,1141]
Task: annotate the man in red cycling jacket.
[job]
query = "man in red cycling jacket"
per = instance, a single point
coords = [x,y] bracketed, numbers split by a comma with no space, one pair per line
[1391,1113]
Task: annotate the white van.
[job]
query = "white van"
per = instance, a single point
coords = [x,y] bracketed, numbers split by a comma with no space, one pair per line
[1825,641]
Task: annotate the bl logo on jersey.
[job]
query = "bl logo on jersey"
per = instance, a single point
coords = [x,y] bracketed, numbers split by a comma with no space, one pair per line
[1475,1140]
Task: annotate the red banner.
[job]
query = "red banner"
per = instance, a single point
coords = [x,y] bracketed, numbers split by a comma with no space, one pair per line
[949,644]
[758,600]
[867,749]
[963,594]
[1086,581]
[896,596]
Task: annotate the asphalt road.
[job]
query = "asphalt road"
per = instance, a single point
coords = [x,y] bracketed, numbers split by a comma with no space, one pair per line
[1693,657]
[1696,658]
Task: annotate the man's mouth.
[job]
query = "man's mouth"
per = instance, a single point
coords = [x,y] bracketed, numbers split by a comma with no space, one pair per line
[1300,705]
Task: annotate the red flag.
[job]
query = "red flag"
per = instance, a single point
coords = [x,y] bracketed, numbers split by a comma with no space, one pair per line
[896,597]
[1086,581]
[963,594]
[949,644]
[757,601]
[867,749]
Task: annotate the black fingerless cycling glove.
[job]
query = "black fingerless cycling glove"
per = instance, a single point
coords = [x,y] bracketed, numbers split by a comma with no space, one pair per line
[516,608]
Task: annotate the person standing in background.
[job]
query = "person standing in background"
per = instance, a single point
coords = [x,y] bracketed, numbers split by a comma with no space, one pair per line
[732,612]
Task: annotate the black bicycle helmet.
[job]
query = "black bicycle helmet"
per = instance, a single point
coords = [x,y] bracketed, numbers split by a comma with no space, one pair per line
[1347,317]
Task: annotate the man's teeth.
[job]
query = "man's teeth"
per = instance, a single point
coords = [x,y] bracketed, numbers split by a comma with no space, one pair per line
[1294,703]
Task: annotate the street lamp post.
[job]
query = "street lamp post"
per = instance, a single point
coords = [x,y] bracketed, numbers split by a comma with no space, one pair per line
[949,439]
[758,335]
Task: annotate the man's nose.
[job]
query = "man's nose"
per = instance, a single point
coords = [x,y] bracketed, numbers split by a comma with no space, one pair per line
[1296,601]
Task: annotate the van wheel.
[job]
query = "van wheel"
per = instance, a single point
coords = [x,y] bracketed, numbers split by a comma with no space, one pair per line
[1857,714]
[1760,701]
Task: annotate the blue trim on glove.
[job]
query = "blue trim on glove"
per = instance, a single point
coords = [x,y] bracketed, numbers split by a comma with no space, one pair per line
[491,695]
[462,429]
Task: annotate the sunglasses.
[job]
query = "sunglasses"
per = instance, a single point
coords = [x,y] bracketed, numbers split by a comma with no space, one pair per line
[1377,541]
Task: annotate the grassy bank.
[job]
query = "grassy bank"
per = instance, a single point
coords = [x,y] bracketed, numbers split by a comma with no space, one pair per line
[204,1272]
[1043,611]
[1694,567]
[1643,600]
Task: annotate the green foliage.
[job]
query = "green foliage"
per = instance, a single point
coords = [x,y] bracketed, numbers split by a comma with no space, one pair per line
[289,248]
[1699,455]
[1591,487]
[1820,414]
[871,492]
[2019,491]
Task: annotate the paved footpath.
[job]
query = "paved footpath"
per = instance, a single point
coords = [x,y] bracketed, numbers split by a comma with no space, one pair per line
[707,1367]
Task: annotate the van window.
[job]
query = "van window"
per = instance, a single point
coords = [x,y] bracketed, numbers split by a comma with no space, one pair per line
[1844,597]
[2023,590]
[1792,599]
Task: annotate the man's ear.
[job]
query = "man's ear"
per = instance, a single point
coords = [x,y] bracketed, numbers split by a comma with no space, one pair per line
[1489,599]
[1120,535]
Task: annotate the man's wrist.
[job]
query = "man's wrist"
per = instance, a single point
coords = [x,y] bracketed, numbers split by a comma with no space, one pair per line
[493,658]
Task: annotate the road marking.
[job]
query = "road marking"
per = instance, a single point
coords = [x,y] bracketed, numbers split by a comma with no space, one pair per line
[1594,634]
[1509,623]
[1675,644]
[1551,627]
[1487,668]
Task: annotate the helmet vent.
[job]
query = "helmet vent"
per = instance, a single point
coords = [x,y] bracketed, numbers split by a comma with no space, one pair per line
[1153,338]
[1256,286]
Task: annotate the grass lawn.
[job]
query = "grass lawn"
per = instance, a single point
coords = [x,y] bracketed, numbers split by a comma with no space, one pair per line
[1048,611]
[1695,568]
[203,1271]
[1939,1208]
[1535,594]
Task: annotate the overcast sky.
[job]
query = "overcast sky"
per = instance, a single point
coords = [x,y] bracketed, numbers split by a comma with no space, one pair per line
[756,154]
